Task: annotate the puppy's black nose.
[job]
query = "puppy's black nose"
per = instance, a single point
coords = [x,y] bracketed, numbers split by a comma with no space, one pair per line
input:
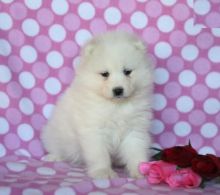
[118,91]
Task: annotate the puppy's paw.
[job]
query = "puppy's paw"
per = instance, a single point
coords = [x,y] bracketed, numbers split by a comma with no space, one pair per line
[51,158]
[134,173]
[102,174]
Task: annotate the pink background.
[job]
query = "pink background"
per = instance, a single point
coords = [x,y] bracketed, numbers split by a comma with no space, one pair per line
[39,49]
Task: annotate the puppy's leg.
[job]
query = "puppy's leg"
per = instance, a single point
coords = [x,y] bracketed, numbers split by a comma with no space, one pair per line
[133,151]
[97,157]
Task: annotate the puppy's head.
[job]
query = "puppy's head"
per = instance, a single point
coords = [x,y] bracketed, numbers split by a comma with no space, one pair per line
[114,65]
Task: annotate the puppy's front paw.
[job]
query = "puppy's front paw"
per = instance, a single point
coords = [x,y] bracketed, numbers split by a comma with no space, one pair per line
[135,174]
[102,174]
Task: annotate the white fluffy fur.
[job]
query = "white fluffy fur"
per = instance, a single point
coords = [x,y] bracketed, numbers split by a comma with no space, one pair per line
[89,124]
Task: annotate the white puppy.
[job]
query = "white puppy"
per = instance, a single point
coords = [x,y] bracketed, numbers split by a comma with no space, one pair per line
[104,116]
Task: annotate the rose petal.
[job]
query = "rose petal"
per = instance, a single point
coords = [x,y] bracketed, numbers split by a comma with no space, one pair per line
[144,167]
[184,178]
[154,180]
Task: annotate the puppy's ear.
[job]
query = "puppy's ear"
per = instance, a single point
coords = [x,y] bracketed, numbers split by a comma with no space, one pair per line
[139,45]
[89,48]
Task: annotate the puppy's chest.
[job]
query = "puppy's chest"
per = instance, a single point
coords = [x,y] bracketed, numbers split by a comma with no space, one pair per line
[115,133]
[118,125]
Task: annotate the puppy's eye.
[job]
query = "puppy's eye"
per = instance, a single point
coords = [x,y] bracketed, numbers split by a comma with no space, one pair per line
[127,72]
[105,74]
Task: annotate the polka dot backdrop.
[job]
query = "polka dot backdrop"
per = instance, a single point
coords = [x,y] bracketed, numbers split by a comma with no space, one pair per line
[207,13]
[33,177]
[39,50]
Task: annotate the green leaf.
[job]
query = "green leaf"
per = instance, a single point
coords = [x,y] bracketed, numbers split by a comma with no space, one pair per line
[217,179]
[178,168]
[202,184]
[189,143]
[157,156]
[157,149]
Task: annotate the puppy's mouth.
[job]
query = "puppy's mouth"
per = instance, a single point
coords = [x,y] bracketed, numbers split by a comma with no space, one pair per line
[119,97]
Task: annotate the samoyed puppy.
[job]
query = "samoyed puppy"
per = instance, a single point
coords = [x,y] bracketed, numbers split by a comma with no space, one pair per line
[103,118]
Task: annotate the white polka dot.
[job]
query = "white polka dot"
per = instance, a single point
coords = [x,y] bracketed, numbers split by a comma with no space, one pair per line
[211,106]
[216,32]
[214,54]
[209,130]
[47,110]
[64,190]
[190,3]
[159,102]
[184,104]
[130,186]
[7,1]
[26,106]
[22,152]
[55,59]
[112,15]
[165,23]
[187,78]
[5,190]
[190,52]
[60,7]
[28,54]
[161,76]
[16,167]
[182,129]
[4,126]
[5,74]
[157,127]
[30,191]
[52,86]
[27,80]
[46,171]
[163,50]
[82,36]
[71,180]
[192,29]
[201,7]
[41,182]
[5,21]
[97,193]
[207,150]
[75,174]
[102,183]
[57,33]
[139,20]
[213,80]
[2,152]
[36,4]
[65,184]
[25,132]
[142,1]
[30,27]
[168,2]
[5,48]
[86,11]
[76,62]
[4,100]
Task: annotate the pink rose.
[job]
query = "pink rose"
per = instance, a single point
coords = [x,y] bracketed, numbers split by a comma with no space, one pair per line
[184,178]
[157,171]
